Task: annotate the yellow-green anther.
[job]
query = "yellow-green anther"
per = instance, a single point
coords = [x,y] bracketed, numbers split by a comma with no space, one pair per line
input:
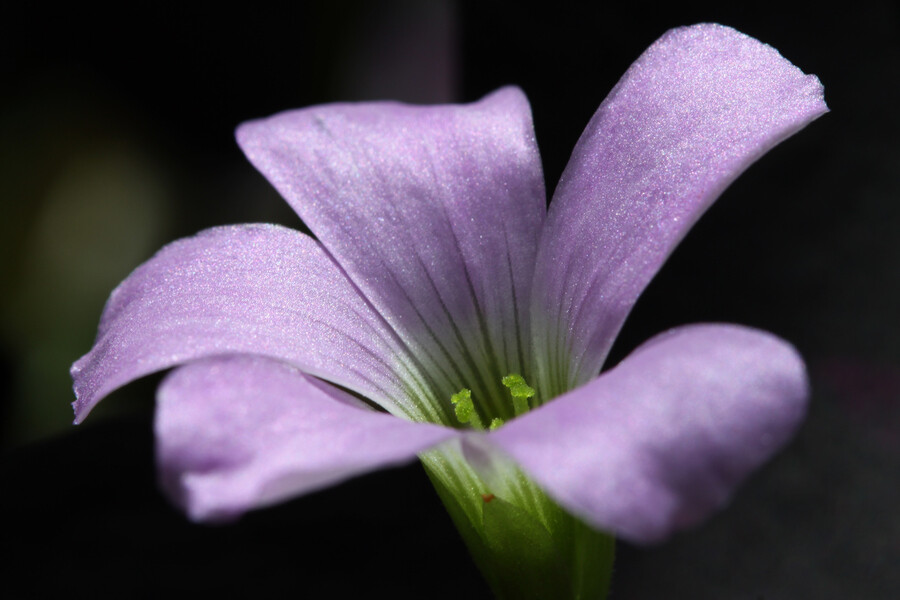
[495,423]
[520,391]
[513,379]
[465,408]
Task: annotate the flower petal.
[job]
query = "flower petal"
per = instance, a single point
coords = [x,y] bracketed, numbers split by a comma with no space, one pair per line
[237,433]
[433,211]
[693,112]
[258,289]
[660,441]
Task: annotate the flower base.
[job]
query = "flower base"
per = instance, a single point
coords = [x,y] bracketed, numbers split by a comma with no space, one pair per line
[525,545]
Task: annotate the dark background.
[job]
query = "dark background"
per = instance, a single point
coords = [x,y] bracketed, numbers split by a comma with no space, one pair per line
[116,136]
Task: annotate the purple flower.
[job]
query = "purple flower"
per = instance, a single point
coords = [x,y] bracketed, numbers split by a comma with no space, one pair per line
[439,269]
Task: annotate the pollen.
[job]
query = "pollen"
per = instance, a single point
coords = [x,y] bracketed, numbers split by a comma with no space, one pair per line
[521,392]
[465,408]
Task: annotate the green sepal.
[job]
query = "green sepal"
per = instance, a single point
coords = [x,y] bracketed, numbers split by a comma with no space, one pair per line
[524,553]
[523,556]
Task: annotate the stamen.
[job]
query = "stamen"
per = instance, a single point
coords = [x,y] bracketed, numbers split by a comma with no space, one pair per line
[495,423]
[520,391]
[465,408]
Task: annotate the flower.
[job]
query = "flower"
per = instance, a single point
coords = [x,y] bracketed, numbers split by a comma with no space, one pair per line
[439,274]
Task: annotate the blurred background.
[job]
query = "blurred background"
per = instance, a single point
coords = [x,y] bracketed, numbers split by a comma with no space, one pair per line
[116,137]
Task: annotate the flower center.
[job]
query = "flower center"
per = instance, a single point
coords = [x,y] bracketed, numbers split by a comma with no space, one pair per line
[468,414]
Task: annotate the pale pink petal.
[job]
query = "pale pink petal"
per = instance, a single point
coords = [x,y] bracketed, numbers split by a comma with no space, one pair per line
[433,211]
[237,433]
[257,289]
[660,441]
[692,113]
